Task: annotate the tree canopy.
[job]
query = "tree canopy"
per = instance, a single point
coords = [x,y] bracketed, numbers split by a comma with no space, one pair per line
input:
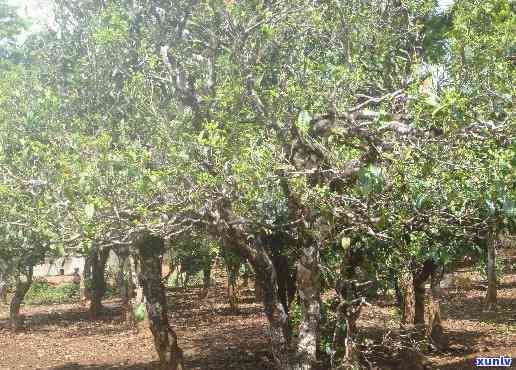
[376,128]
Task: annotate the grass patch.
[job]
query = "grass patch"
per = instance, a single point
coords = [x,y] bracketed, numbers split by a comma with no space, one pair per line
[41,293]
[506,329]
[177,280]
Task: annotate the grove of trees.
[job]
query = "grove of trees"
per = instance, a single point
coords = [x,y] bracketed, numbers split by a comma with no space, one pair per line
[343,146]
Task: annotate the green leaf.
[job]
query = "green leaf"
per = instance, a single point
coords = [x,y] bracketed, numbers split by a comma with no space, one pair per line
[420,201]
[509,208]
[303,120]
[438,109]
[139,312]
[491,209]
[59,249]
[89,210]
[345,242]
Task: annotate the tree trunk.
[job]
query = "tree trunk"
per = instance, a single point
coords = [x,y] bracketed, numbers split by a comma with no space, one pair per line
[407,291]
[398,294]
[436,329]
[258,290]
[245,275]
[98,281]
[338,331]
[308,283]
[135,296]
[350,293]
[122,278]
[151,250]
[491,299]
[85,284]
[233,262]
[350,311]
[419,280]
[22,287]
[286,280]
[274,310]
[206,279]
[266,285]
[245,281]
[233,268]
[233,237]
[3,289]
[419,304]
[172,264]
[188,274]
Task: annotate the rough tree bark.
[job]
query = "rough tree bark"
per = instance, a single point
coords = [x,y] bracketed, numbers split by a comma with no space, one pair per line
[348,312]
[275,245]
[3,289]
[234,237]
[151,249]
[419,280]
[280,331]
[350,293]
[419,304]
[258,290]
[491,295]
[233,270]
[84,285]
[245,276]
[134,292]
[287,286]
[267,280]
[407,294]
[206,279]
[309,288]
[22,287]
[98,282]
[436,329]
[122,278]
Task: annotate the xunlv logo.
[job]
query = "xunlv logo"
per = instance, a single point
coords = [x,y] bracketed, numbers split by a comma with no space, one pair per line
[493,361]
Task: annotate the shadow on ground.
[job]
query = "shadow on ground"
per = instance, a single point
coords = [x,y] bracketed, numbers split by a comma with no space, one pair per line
[457,365]
[109,321]
[154,365]
[140,366]
[473,309]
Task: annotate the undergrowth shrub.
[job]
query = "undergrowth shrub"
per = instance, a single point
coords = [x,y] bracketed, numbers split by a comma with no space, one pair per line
[41,293]
[502,265]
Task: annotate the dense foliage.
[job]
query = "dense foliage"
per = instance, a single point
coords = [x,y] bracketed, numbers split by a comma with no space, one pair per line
[352,141]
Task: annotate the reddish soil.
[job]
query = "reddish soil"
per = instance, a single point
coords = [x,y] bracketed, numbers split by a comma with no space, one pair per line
[212,337]
[472,332]
[64,337]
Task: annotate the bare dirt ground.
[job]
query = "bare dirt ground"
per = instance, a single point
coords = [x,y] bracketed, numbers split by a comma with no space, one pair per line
[472,332]
[63,337]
